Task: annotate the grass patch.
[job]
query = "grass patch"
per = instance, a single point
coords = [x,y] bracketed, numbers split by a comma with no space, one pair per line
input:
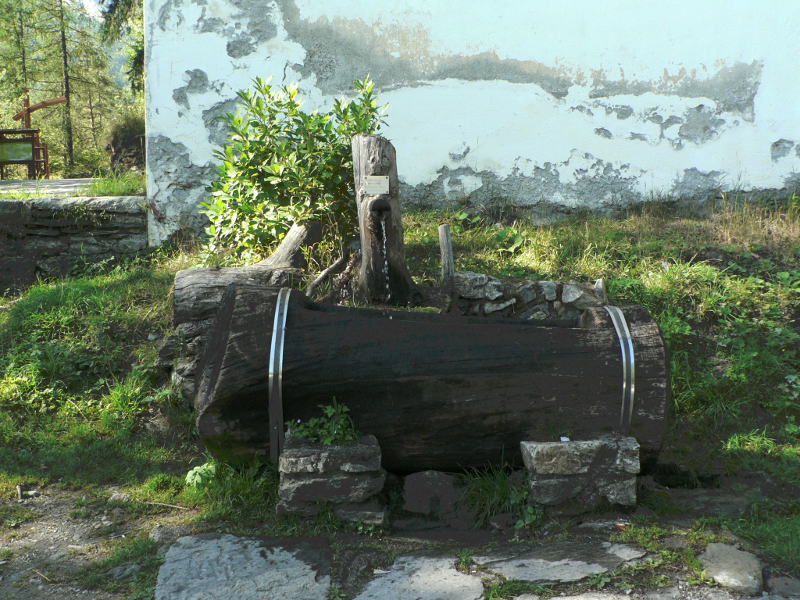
[78,379]
[495,489]
[774,526]
[117,183]
[724,286]
[138,586]
[512,588]
[14,515]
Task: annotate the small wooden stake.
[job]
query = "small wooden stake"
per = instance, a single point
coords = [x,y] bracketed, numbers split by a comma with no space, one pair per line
[448,262]
[448,267]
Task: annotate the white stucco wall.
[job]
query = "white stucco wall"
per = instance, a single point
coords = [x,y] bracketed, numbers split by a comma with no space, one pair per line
[553,105]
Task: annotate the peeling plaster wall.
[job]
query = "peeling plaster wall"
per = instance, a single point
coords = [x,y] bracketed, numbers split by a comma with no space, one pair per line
[557,106]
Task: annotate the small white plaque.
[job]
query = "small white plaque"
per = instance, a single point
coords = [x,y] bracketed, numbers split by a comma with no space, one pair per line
[375,185]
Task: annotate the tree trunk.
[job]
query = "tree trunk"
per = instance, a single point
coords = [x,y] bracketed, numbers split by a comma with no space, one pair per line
[438,391]
[67,94]
[197,294]
[383,277]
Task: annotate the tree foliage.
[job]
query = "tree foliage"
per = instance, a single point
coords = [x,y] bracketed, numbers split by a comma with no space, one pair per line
[283,166]
[123,20]
[32,58]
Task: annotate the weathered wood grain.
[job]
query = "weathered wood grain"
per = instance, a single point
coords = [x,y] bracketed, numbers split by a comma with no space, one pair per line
[438,391]
[375,155]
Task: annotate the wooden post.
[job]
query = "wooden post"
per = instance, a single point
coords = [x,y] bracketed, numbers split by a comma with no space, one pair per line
[448,267]
[448,262]
[383,276]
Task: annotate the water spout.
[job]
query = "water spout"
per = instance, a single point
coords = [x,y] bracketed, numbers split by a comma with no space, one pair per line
[385,256]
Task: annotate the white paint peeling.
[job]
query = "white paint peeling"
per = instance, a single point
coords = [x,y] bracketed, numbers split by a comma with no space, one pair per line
[588,104]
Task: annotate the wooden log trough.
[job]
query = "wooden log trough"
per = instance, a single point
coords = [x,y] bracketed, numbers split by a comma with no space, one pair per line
[439,391]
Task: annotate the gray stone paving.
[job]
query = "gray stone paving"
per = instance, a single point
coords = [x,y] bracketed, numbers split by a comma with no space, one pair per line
[45,187]
[557,561]
[423,577]
[226,567]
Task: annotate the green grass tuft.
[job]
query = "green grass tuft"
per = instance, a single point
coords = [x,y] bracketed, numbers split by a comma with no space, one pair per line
[117,183]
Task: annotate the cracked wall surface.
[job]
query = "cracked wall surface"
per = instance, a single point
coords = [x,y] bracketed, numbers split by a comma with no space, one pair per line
[589,105]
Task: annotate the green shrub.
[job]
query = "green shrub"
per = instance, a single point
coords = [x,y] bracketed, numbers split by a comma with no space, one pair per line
[126,141]
[493,490]
[117,183]
[334,426]
[283,166]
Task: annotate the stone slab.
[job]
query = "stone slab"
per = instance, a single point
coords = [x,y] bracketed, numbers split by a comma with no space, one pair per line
[354,487]
[423,576]
[361,457]
[784,586]
[614,455]
[558,561]
[732,568]
[432,493]
[227,567]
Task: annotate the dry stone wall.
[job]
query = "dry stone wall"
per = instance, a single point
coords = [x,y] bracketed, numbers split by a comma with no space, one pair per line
[49,237]
[480,294]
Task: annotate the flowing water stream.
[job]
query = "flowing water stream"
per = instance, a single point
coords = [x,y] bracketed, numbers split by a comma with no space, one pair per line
[385,257]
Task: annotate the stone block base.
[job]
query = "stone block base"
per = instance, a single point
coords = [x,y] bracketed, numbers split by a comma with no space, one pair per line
[346,476]
[579,476]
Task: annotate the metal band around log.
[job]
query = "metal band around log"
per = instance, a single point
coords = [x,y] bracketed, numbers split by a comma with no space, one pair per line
[628,366]
[275,405]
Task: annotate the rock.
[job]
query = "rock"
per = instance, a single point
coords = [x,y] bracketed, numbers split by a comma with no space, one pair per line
[784,586]
[709,502]
[612,454]
[423,577]
[623,551]
[477,286]
[570,293]
[492,307]
[537,315]
[432,493]
[734,569]
[118,513]
[300,457]
[167,533]
[549,290]
[340,489]
[536,312]
[557,561]
[527,292]
[123,571]
[341,474]
[370,512]
[600,291]
[581,475]
[619,492]
[226,567]
[119,497]
[578,296]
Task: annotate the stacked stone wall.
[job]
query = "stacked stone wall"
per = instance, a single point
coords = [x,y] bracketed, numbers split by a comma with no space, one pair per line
[51,237]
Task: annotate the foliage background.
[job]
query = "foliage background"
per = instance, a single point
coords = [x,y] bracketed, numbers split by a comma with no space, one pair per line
[31,58]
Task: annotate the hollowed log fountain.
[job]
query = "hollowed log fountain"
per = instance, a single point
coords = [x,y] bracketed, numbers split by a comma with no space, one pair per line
[439,391]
